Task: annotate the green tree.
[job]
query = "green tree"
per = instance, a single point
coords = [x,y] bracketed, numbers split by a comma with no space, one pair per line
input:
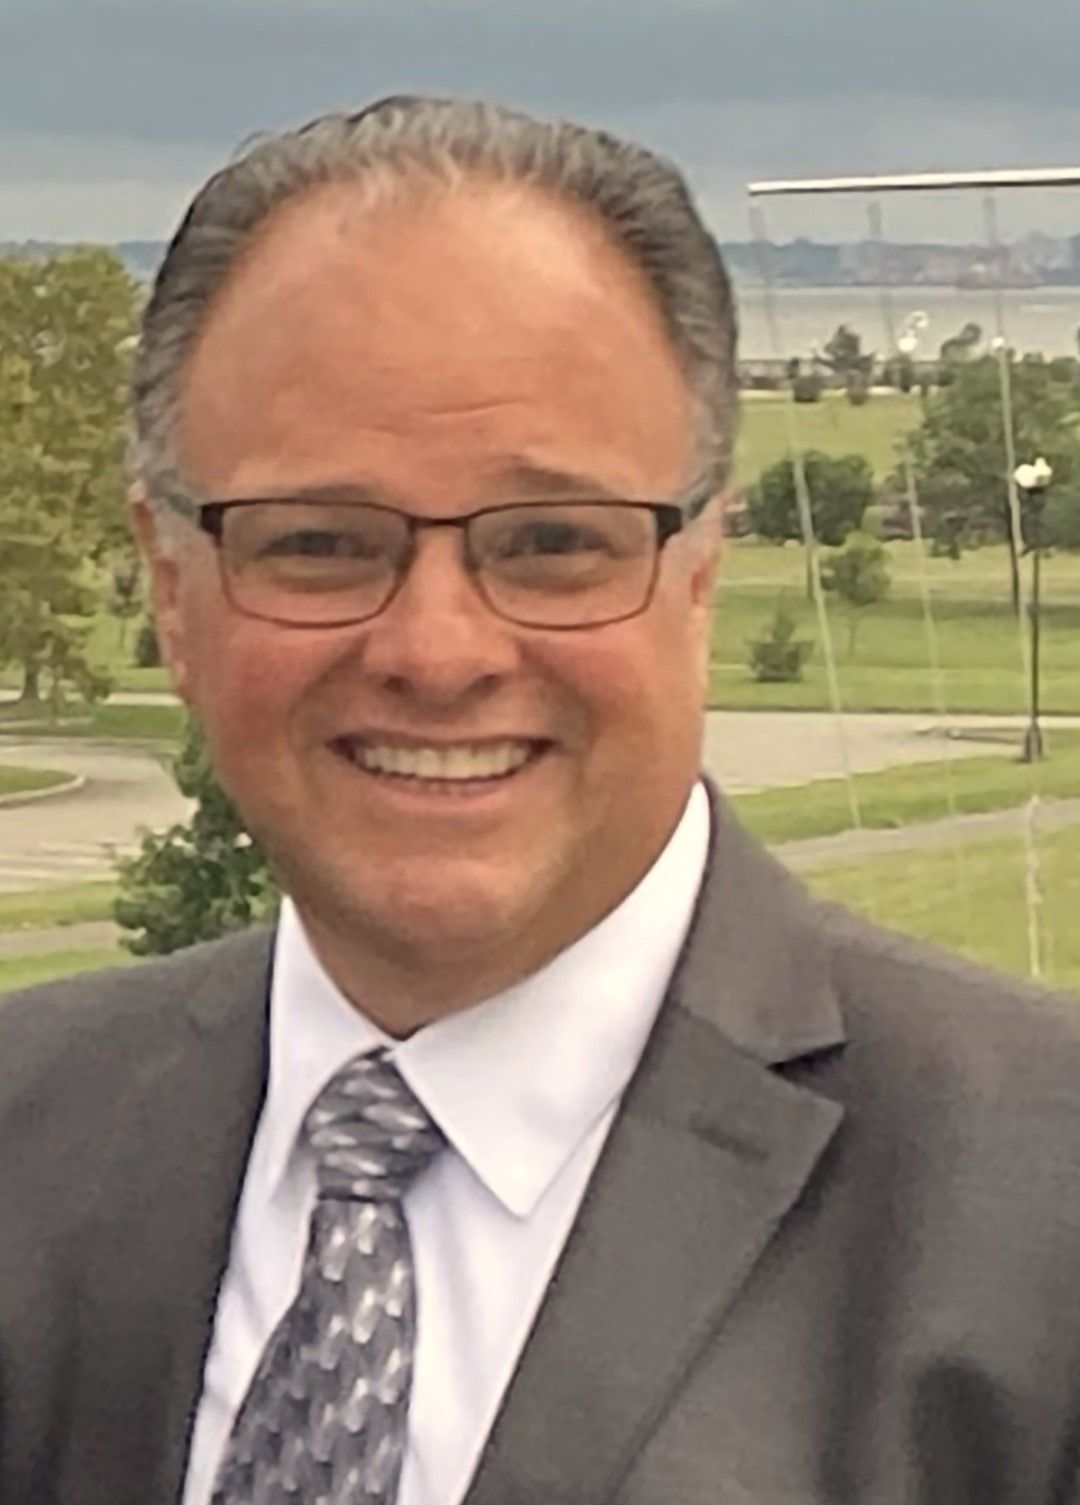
[841,488]
[859,575]
[844,356]
[67,330]
[960,457]
[958,350]
[201,877]
[1061,521]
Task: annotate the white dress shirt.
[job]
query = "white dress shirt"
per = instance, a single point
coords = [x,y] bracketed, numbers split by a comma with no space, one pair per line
[525,1086]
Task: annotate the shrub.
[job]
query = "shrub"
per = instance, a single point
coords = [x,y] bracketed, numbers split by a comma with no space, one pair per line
[778,657]
[808,388]
[841,487]
[859,574]
[200,878]
[147,652]
[858,389]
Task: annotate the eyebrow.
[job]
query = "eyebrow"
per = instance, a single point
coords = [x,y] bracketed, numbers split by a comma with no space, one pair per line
[329,491]
[527,477]
[512,474]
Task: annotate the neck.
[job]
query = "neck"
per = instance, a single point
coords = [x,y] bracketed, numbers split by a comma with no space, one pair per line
[402,979]
[401,988]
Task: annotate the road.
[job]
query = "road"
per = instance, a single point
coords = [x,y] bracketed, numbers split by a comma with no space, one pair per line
[762,749]
[78,835]
[72,836]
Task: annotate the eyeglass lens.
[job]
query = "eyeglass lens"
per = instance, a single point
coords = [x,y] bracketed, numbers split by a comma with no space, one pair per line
[543,564]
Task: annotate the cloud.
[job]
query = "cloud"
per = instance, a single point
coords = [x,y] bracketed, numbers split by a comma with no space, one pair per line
[113,111]
[213,70]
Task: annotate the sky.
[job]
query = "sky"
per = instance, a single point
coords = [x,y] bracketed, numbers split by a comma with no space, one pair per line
[112,112]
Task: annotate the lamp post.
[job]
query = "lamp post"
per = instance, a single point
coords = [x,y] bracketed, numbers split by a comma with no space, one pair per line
[1033,482]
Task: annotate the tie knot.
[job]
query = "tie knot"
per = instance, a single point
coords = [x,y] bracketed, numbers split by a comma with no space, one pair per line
[370,1134]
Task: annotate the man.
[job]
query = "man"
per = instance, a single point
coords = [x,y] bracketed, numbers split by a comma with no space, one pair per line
[555,1147]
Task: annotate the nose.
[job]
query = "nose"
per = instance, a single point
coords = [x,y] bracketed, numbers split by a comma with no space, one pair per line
[438,640]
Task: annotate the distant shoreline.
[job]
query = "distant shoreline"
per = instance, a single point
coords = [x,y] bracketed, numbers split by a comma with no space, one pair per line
[788,284]
[1039,320]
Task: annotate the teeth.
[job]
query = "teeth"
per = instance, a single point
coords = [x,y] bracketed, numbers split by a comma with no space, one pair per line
[438,763]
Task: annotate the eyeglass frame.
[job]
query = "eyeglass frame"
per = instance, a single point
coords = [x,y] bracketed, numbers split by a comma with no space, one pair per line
[671,518]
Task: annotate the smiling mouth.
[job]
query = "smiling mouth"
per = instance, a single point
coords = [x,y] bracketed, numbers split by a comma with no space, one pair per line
[462,767]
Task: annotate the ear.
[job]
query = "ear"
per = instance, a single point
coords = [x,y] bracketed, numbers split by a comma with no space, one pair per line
[165,568]
[710,551]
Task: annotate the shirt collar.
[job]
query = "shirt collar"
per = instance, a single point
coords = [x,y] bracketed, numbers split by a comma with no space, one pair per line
[518,1081]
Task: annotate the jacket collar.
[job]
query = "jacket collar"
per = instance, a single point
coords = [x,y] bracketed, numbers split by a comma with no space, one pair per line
[712,1147]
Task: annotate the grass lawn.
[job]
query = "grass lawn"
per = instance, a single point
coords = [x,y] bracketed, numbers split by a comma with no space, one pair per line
[111,645]
[28,780]
[977,578]
[25,971]
[58,904]
[832,425]
[156,723]
[126,679]
[918,792]
[978,640]
[977,907]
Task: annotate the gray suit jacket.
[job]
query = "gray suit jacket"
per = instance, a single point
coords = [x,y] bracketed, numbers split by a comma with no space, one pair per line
[831,1252]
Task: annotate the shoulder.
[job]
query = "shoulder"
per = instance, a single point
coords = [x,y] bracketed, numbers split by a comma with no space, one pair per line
[123,1016]
[927,1024]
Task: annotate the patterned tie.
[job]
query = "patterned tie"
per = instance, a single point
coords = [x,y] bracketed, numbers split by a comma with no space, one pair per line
[323,1422]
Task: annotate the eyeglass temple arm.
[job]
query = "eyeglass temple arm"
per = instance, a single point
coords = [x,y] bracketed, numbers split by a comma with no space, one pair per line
[698,495]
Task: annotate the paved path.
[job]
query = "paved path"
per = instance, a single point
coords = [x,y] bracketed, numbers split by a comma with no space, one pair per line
[70,837]
[78,835]
[852,846]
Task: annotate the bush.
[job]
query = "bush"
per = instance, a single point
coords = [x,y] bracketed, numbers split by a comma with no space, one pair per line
[779,656]
[808,388]
[199,879]
[859,574]
[858,389]
[1061,520]
[147,652]
[841,487]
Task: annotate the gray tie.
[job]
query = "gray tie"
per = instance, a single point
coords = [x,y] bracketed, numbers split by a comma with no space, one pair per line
[324,1420]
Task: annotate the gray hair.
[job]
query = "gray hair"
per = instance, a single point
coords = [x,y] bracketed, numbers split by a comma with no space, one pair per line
[641,198]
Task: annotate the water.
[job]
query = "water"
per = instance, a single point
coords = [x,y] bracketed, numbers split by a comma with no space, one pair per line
[1043,319]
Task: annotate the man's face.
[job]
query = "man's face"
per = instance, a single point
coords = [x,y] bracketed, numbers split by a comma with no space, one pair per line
[439,356]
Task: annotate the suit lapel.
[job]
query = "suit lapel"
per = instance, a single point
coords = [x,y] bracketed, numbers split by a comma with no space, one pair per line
[167,1203]
[711,1148]
[211,1168]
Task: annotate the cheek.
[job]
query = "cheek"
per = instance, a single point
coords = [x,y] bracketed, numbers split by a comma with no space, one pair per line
[630,682]
[248,678]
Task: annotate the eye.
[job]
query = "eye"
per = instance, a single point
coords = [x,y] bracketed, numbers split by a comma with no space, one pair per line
[549,536]
[317,543]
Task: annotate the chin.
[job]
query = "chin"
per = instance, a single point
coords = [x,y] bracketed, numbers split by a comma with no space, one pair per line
[407,903]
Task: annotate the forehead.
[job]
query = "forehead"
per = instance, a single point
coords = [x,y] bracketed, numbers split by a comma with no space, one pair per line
[431,327]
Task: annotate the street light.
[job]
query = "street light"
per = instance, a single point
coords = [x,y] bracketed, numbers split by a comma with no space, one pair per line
[1033,481]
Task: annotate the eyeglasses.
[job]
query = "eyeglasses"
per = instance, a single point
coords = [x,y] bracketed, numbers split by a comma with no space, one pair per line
[557,565]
